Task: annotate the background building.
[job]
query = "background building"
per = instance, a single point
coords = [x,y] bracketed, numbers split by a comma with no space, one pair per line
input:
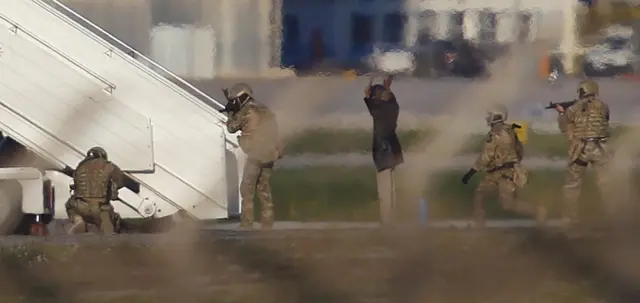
[195,38]
[206,38]
[350,29]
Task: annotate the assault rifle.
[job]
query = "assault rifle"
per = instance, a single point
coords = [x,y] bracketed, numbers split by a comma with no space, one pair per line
[231,106]
[564,105]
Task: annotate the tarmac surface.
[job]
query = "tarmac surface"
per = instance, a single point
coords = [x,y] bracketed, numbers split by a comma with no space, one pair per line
[319,264]
[211,231]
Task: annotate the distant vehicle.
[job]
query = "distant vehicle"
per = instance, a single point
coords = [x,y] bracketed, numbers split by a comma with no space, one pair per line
[457,58]
[437,58]
[614,55]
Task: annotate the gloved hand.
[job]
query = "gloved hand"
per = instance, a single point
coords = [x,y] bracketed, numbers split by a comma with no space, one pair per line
[468,175]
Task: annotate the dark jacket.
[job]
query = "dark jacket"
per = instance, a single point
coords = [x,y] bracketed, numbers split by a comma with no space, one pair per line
[383,107]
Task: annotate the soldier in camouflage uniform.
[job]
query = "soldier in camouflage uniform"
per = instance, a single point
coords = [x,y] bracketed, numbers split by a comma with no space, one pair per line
[586,124]
[95,183]
[260,141]
[501,161]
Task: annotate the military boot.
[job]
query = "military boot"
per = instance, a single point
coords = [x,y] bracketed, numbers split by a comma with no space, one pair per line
[77,226]
[246,217]
[266,218]
[266,224]
[246,222]
[119,225]
[245,225]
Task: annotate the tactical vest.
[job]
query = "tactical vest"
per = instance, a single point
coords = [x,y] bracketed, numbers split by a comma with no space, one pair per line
[518,147]
[259,139]
[590,119]
[92,179]
[510,152]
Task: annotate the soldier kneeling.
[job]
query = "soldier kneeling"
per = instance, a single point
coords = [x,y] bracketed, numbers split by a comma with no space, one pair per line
[96,182]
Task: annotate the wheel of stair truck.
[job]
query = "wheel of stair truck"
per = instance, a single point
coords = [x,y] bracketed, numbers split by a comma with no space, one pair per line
[10,207]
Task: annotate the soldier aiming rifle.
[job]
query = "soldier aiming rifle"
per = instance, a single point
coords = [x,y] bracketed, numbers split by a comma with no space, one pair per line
[564,105]
[232,105]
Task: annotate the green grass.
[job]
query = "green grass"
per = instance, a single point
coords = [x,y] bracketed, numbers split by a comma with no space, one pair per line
[332,141]
[349,194]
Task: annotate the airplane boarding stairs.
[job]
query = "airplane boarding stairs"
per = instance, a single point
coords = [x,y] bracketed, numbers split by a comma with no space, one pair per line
[64,89]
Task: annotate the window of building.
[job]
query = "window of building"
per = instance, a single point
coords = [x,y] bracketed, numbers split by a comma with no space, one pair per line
[291,29]
[488,23]
[524,26]
[393,28]
[457,21]
[427,26]
[175,12]
[361,31]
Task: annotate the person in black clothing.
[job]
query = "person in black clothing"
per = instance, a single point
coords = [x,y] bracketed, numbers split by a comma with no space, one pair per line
[387,151]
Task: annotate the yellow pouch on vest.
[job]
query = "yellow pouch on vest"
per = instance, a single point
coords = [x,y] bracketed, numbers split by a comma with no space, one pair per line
[522,132]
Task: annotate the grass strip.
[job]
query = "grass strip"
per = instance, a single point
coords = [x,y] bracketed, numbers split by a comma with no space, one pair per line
[349,194]
[334,141]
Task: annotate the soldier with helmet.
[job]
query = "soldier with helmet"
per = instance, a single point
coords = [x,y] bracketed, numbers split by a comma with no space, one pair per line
[500,160]
[96,182]
[586,123]
[259,140]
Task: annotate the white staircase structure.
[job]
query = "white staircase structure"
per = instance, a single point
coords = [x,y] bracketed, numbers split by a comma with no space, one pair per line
[64,89]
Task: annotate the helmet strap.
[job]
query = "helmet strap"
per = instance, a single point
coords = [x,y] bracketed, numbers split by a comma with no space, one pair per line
[243,99]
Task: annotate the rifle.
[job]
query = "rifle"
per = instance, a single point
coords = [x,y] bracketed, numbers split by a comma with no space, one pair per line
[231,106]
[564,105]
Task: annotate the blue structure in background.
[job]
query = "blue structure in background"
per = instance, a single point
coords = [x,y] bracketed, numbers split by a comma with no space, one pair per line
[339,33]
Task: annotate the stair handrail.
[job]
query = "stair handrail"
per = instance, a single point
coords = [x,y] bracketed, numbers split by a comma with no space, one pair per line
[131,51]
[51,158]
[129,56]
[110,86]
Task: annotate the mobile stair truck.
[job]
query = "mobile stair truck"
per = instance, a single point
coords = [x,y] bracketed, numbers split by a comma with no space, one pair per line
[65,89]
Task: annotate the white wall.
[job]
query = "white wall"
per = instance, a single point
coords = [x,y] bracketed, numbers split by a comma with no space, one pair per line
[187,51]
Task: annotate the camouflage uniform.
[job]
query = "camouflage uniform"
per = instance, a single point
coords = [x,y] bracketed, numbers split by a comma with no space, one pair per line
[500,160]
[260,141]
[586,124]
[95,182]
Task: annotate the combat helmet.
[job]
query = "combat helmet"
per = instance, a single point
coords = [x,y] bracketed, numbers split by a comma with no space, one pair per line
[97,152]
[588,87]
[240,91]
[496,114]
